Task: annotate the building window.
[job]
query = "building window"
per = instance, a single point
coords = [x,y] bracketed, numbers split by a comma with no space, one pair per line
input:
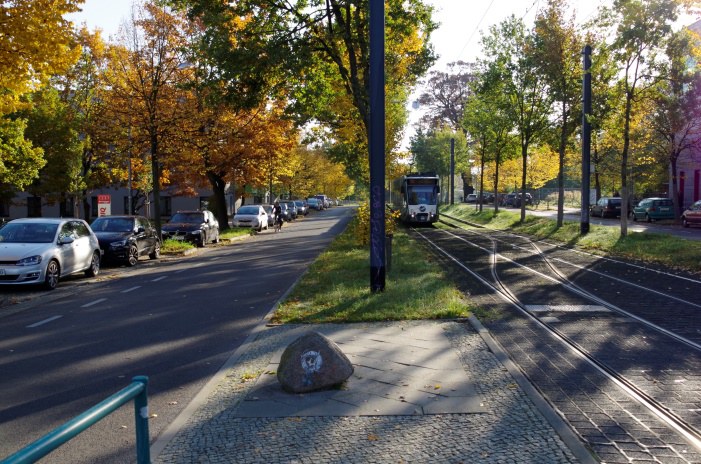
[66,208]
[34,207]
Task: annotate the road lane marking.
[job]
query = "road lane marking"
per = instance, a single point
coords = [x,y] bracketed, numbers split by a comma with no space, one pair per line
[45,321]
[159,278]
[93,303]
[131,289]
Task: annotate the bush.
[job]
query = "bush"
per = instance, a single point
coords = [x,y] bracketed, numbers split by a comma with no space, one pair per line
[361,230]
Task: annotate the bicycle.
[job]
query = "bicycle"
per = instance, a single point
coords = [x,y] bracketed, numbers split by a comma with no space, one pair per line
[277,225]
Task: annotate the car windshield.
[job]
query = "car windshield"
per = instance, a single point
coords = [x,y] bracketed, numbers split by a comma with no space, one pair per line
[28,233]
[247,210]
[299,203]
[187,218]
[663,202]
[112,225]
[615,202]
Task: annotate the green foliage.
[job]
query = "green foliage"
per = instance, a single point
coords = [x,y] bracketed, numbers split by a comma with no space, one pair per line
[20,162]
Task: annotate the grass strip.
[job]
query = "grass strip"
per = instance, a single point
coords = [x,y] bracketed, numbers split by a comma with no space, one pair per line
[668,250]
[336,288]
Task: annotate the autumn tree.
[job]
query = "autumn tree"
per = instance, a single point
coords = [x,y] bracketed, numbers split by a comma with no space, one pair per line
[322,49]
[557,52]
[36,42]
[641,30]
[146,77]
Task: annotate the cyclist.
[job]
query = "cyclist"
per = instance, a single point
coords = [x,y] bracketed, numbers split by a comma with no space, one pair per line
[277,215]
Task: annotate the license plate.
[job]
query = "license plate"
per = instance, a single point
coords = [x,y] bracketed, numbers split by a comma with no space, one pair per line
[664,209]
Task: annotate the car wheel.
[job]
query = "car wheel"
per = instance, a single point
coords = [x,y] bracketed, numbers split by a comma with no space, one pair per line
[203,240]
[94,268]
[53,272]
[635,218]
[685,223]
[156,253]
[132,256]
[648,218]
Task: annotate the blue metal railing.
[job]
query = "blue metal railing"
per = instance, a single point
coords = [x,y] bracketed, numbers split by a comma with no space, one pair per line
[60,435]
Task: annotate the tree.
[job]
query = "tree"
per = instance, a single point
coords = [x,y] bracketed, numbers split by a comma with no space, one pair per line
[557,52]
[146,76]
[513,61]
[322,49]
[676,116]
[642,30]
[446,94]
[35,43]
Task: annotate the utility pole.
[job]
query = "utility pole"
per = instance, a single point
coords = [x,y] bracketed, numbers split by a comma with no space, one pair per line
[452,171]
[586,141]
[377,145]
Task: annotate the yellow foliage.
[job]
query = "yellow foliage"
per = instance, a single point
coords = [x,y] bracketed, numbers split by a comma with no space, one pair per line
[36,42]
[362,223]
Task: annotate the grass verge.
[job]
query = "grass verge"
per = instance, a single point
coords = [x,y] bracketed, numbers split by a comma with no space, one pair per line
[669,250]
[336,288]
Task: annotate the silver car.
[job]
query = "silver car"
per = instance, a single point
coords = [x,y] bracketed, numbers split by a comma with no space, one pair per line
[42,250]
[253,216]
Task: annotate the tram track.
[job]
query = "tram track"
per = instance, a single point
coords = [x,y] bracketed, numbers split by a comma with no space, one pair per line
[508,264]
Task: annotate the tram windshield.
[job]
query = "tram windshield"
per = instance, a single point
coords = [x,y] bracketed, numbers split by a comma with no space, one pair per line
[422,195]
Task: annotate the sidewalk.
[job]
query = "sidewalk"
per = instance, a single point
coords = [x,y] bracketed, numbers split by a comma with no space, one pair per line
[422,391]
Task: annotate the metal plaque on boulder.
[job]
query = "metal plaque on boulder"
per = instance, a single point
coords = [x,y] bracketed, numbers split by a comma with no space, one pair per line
[313,362]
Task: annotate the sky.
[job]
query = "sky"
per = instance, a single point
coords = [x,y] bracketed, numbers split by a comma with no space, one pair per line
[456,39]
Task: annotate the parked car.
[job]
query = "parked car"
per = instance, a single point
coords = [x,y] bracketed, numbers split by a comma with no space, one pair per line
[253,216]
[471,198]
[315,203]
[291,207]
[43,250]
[514,199]
[285,211]
[302,207]
[653,209]
[606,207]
[692,215]
[126,238]
[271,217]
[198,227]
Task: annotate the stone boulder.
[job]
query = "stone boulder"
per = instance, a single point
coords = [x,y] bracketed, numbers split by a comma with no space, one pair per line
[312,362]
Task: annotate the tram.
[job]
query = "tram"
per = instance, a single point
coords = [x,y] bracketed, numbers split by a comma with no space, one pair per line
[415,196]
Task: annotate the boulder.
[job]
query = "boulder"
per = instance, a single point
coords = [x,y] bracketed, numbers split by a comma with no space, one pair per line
[312,362]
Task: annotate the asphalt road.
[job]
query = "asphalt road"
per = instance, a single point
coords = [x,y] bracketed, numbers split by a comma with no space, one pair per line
[175,321]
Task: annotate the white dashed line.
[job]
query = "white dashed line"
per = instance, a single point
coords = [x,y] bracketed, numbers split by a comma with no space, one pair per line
[131,289]
[93,303]
[159,278]
[45,321]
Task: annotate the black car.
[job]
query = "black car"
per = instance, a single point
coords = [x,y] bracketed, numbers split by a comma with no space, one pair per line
[606,207]
[198,227]
[125,238]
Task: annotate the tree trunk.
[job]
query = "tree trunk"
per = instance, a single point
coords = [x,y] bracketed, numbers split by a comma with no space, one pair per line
[218,192]
[561,169]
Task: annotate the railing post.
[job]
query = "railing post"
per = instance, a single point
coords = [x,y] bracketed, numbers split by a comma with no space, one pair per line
[143,449]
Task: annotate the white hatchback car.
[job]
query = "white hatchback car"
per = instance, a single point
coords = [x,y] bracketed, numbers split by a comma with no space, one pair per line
[253,216]
[42,250]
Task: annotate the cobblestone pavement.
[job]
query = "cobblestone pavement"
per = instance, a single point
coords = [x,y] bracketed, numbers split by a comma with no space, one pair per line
[512,429]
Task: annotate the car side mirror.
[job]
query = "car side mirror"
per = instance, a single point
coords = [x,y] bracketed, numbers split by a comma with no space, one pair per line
[66,240]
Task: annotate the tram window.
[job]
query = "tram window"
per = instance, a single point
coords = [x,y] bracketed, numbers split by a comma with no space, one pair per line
[422,196]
